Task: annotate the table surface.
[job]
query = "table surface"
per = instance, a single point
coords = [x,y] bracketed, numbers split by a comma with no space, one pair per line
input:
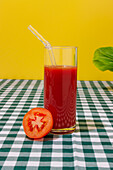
[90,146]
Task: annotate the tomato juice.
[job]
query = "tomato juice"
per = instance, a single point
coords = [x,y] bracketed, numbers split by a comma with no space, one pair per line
[60,85]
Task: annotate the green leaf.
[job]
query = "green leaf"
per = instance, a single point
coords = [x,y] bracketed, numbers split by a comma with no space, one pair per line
[103,58]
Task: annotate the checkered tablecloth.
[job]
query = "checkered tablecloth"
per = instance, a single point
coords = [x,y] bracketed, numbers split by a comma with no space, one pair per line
[90,147]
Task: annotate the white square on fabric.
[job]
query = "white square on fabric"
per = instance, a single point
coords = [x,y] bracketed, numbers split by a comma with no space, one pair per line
[99,147]
[5,132]
[15,154]
[35,154]
[36,146]
[56,164]
[95,139]
[100,155]
[54,154]
[16,146]
[2,138]
[103,165]
[80,163]
[19,139]
[9,163]
[79,154]
[54,146]
[33,163]
[8,127]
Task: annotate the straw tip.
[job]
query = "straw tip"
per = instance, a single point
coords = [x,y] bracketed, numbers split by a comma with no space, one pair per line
[29,26]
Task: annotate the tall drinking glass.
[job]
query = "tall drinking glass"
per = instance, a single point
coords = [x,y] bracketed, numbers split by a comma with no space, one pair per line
[60,88]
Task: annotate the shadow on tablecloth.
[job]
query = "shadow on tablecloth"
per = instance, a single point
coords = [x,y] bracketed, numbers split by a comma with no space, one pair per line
[88,125]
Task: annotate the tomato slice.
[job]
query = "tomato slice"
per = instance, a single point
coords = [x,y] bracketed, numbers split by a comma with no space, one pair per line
[37,123]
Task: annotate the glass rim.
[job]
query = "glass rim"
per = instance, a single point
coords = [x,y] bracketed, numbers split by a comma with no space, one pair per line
[63,47]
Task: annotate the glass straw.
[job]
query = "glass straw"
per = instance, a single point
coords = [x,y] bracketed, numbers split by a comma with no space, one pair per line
[45,42]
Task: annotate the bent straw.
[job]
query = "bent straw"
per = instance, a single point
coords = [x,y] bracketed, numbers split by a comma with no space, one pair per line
[45,42]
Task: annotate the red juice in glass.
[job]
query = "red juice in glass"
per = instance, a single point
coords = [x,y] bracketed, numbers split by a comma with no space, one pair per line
[60,86]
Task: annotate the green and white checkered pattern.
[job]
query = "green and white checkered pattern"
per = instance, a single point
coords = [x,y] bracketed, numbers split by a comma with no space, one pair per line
[90,147]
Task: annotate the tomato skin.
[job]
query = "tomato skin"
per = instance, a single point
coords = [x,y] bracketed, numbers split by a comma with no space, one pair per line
[37,122]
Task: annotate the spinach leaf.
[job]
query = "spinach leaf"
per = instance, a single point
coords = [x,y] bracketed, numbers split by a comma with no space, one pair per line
[103,58]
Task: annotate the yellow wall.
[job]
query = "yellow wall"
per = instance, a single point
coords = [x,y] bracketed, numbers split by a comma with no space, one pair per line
[87,24]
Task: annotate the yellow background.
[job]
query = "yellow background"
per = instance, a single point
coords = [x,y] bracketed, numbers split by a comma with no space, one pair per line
[87,24]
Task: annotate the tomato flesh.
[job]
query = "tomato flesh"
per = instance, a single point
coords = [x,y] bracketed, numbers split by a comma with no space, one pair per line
[37,122]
